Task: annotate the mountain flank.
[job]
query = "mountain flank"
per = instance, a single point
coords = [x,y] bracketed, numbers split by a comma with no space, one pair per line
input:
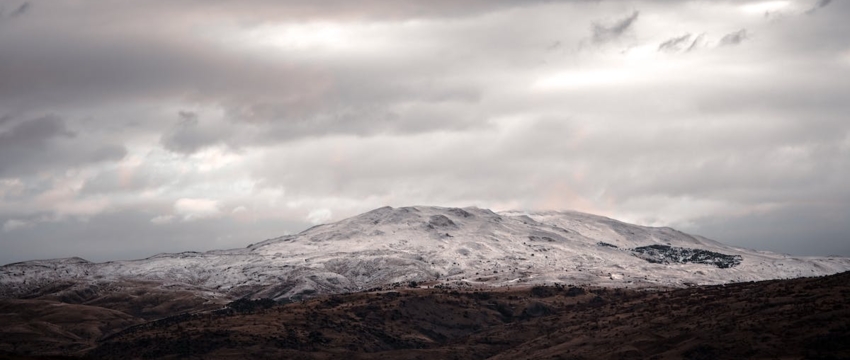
[425,282]
[463,248]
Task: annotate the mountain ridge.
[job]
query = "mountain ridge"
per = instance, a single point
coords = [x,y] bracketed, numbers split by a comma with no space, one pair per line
[464,247]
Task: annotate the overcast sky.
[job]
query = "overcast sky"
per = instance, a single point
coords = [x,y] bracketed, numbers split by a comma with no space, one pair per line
[129,128]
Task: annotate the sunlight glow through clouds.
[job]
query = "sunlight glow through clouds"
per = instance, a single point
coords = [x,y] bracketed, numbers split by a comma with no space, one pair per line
[585,78]
[214,159]
[673,210]
[638,64]
[844,57]
[319,216]
[194,209]
[331,36]
[760,8]
[14,224]
[313,36]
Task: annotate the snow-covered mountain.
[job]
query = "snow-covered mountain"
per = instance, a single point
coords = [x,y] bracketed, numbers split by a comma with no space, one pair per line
[430,245]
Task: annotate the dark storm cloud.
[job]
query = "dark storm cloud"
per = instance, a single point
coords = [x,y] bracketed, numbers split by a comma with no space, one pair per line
[675,44]
[734,38]
[604,33]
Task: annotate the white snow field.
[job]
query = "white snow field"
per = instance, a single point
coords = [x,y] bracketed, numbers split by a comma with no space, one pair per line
[432,245]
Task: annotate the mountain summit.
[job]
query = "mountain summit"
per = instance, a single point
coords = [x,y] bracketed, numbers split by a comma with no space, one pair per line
[464,247]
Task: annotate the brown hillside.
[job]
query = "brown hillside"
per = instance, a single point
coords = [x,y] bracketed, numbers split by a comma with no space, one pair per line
[802,318]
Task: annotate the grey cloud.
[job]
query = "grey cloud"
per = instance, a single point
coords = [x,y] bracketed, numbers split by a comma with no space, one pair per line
[188,136]
[28,138]
[107,152]
[110,182]
[46,142]
[362,120]
[604,33]
[686,163]
[37,131]
[254,12]
[5,119]
[187,116]
[287,98]
[805,229]
[380,10]
[33,187]
[72,72]
[436,166]
[366,102]
[675,43]
[820,4]
[20,10]
[734,38]
[696,43]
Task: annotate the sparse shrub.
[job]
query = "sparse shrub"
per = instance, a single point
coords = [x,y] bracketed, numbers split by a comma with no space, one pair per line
[574,291]
[542,291]
[246,305]
[701,352]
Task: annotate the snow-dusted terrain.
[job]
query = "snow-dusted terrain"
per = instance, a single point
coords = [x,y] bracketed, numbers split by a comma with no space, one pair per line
[460,247]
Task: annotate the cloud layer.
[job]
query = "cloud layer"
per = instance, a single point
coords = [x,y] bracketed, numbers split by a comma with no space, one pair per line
[200,126]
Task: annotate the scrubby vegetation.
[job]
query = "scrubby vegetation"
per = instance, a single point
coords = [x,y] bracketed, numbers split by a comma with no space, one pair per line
[801,318]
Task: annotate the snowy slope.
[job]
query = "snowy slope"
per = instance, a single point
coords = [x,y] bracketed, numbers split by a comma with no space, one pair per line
[461,247]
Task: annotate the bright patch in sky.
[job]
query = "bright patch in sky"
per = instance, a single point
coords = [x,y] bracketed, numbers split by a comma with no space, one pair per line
[765,6]
[316,36]
[214,159]
[305,36]
[319,216]
[13,225]
[845,57]
[194,209]
[585,78]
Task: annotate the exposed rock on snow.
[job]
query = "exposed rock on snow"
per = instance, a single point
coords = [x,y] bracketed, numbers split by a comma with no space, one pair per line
[664,254]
